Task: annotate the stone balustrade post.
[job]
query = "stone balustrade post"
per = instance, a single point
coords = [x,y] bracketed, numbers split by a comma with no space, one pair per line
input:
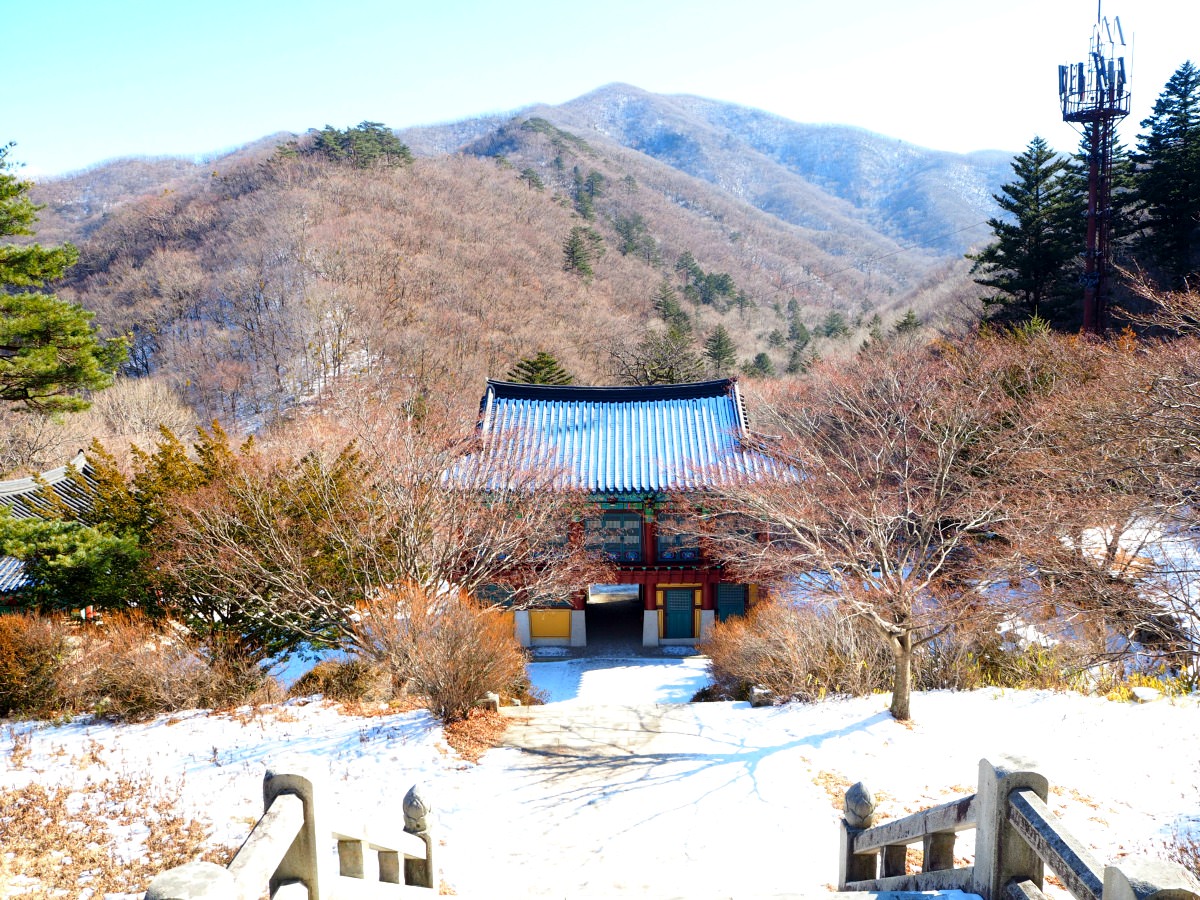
[859,816]
[307,861]
[1001,853]
[420,872]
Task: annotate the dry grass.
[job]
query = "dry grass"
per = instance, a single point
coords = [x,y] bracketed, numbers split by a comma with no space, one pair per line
[113,836]
[475,735]
[345,681]
[1184,848]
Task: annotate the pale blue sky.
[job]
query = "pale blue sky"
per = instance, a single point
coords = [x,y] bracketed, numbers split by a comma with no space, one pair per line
[94,79]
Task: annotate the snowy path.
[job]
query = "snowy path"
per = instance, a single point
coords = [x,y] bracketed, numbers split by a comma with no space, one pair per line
[619,787]
[662,799]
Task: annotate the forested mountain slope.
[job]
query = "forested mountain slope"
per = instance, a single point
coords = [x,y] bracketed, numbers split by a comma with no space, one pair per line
[265,278]
[934,199]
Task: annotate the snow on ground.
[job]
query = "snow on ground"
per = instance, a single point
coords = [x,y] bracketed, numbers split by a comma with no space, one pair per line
[604,681]
[720,800]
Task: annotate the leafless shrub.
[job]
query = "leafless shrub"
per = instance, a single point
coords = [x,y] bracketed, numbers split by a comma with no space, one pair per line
[130,670]
[444,647]
[796,652]
[35,652]
[127,669]
[343,680]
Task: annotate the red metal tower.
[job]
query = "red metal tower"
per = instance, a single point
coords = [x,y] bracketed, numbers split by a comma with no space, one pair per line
[1095,95]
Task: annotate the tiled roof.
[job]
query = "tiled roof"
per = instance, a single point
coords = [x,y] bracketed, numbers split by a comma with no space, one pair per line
[12,574]
[682,437]
[22,497]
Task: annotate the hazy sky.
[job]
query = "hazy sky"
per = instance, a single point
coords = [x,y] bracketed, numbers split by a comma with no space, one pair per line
[90,80]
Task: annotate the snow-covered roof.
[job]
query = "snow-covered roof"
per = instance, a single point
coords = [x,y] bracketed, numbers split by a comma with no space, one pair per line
[663,438]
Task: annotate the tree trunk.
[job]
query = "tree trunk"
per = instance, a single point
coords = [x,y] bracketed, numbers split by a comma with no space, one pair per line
[902,678]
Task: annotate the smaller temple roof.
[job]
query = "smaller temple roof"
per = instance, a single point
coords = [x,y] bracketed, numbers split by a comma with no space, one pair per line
[23,498]
[658,439]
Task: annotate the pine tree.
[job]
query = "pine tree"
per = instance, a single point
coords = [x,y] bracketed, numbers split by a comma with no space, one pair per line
[1028,264]
[530,176]
[719,350]
[875,329]
[798,360]
[1168,175]
[364,145]
[760,367]
[660,357]
[834,325]
[666,304]
[798,333]
[540,369]
[907,323]
[582,247]
[49,351]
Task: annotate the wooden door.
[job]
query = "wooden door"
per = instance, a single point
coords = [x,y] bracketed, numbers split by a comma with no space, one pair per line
[678,612]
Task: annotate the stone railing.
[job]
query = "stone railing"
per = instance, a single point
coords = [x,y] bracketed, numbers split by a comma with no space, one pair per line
[1016,838]
[290,851]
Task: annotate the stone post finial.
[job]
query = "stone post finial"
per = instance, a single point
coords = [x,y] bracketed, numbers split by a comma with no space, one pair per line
[860,806]
[416,811]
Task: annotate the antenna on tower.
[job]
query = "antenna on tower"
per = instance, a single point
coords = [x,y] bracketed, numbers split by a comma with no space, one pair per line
[1095,95]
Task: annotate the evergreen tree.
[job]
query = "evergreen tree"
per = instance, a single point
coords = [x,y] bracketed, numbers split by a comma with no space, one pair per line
[687,267]
[798,333]
[719,350]
[581,249]
[834,325]
[1168,175]
[540,369]
[364,145]
[907,324]
[587,188]
[661,357]
[799,360]
[635,237]
[49,351]
[760,367]
[666,303]
[1028,264]
[530,176]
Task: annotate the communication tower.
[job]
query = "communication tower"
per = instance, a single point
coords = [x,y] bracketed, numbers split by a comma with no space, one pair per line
[1095,95]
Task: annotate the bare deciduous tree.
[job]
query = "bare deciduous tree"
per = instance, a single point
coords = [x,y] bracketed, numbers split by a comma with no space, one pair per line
[300,544]
[889,497]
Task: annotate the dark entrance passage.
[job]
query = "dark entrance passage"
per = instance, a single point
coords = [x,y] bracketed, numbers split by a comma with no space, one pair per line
[613,616]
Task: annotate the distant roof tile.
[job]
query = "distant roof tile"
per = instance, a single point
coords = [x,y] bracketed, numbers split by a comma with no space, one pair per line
[12,575]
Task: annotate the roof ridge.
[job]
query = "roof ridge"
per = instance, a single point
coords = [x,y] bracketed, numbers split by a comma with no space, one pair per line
[513,390]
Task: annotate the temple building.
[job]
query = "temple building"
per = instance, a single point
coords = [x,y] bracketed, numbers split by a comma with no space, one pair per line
[635,452]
